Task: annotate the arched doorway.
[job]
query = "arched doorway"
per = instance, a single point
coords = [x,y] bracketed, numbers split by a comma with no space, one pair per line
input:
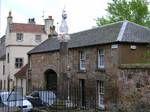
[51,80]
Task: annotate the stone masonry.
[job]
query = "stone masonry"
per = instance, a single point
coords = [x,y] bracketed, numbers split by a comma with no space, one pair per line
[123,84]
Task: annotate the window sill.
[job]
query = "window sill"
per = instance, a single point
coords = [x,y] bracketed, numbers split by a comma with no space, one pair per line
[18,68]
[100,70]
[81,71]
[19,40]
[101,107]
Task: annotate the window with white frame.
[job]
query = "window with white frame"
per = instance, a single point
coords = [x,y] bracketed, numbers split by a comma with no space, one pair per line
[38,38]
[100,85]
[18,62]
[19,37]
[100,58]
[82,60]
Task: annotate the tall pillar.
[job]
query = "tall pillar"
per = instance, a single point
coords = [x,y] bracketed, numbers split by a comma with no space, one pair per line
[63,38]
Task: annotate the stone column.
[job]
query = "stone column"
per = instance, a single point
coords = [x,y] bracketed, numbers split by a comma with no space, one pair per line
[63,38]
[62,87]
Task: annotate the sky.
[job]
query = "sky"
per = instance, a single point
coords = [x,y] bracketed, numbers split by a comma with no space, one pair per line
[81,13]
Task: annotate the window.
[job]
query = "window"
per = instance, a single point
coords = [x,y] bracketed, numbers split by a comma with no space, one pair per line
[7,57]
[3,69]
[82,60]
[38,38]
[100,58]
[100,86]
[18,62]
[19,37]
[4,84]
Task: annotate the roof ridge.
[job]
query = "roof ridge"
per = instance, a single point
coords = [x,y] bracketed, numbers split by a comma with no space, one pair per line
[98,27]
[122,30]
[28,24]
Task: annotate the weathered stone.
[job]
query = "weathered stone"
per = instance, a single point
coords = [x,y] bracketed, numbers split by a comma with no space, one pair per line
[125,83]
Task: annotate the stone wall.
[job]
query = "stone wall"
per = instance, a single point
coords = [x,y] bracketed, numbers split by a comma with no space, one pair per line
[134,87]
[40,63]
[124,84]
[44,61]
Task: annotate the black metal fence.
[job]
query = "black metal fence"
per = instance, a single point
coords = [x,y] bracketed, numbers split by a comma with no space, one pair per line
[72,101]
[48,101]
[11,101]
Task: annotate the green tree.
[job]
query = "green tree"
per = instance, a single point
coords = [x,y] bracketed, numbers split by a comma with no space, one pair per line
[132,10]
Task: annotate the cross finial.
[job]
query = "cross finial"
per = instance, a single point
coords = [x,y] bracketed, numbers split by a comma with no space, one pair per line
[9,14]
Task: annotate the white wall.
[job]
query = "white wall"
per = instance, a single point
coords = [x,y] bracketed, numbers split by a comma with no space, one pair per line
[21,82]
[3,76]
[1,72]
[28,39]
[19,50]
[1,69]
[16,52]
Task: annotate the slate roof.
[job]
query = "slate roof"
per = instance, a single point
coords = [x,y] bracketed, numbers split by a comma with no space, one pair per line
[123,31]
[21,72]
[2,48]
[30,28]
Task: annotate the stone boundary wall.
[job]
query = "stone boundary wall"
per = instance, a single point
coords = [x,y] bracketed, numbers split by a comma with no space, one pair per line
[134,87]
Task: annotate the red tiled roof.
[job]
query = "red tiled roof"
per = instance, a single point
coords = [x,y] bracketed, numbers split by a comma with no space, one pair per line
[30,28]
[22,72]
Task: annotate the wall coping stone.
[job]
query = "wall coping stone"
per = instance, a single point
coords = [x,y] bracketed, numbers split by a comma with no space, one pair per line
[135,66]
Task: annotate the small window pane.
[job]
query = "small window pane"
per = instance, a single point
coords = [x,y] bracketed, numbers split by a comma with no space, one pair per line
[100,58]
[18,62]
[101,93]
[3,69]
[82,60]
[38,38]
[19,37]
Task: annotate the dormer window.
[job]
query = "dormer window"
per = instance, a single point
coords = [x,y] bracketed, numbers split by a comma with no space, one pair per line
[38,38]
[19,37]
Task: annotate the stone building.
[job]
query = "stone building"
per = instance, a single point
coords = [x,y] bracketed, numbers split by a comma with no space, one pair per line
[108,65]
[21,79]
[19,39]
[2,59]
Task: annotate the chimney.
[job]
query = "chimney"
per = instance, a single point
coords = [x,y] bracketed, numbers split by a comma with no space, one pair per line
[31,21]
[9,18]
[49,25]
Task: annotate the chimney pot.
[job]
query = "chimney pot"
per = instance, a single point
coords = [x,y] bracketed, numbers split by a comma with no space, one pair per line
[9,18]
[31,20]
[9,13]
[50,17]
